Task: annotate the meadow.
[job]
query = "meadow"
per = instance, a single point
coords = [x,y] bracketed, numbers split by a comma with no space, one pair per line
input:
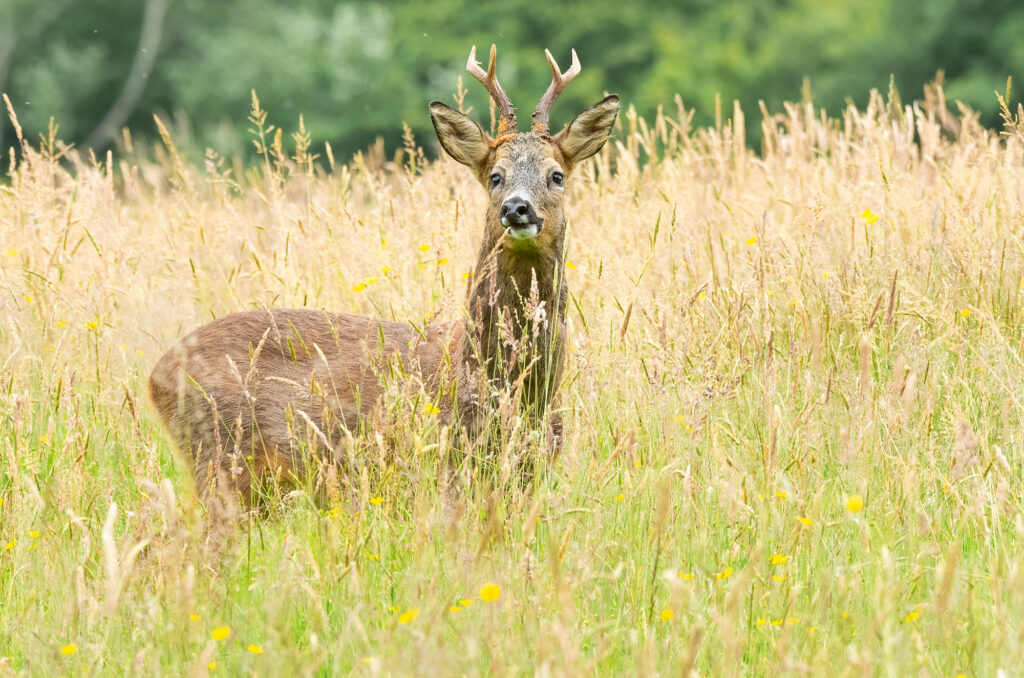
[793,410]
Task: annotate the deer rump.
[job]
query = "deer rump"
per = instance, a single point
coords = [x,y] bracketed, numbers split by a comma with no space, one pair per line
[242,394]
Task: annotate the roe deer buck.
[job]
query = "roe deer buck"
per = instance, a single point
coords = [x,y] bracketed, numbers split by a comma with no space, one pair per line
[323,367]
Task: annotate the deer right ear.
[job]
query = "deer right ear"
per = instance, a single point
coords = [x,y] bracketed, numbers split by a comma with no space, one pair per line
[461,137]
[586,134]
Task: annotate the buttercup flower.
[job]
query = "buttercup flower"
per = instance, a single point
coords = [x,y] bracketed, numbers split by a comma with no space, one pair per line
[490,592]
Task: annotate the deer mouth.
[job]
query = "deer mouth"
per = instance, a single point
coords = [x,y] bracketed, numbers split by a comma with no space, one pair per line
[522,231]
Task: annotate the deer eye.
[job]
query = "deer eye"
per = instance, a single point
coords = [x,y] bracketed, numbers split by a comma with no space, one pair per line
[558,178]
[495,180]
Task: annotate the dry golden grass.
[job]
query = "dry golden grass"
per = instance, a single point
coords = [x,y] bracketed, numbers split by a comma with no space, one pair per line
[793,412]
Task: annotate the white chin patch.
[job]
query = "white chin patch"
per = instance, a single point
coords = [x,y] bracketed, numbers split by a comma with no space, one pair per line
[523,232]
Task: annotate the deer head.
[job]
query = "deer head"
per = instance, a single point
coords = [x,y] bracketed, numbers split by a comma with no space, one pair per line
[524,173]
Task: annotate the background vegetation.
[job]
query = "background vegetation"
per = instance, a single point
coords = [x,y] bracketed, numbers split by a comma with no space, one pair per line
[793,405]
[792,411]
[358,70]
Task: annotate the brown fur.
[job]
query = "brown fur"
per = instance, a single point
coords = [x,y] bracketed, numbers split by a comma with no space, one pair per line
[235,393]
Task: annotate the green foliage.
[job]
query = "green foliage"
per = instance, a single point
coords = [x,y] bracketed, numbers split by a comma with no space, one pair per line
[358,70]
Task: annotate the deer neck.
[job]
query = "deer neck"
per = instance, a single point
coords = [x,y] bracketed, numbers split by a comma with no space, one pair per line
[517,301]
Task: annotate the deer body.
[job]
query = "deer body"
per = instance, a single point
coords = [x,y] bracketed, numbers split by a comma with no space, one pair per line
[250,383]
[235,393]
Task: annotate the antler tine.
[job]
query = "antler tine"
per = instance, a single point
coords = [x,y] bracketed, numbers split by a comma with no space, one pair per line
[558,82]
[507,120]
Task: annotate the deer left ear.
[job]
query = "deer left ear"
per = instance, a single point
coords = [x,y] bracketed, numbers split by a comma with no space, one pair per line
[460,137]
[587,133]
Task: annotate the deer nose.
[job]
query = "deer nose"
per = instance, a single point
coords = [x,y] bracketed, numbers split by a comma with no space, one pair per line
[517,212]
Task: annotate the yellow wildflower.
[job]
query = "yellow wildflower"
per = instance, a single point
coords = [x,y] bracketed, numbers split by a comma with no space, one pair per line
[869,216]
[359,287]
[804,521]
[454,608]
[385,269]
[781,495]
[442,261]
[28,298]
[571,266]
[964,313]
[752,240]
[211,665]
[11,544]
[779,559]
[194,617]
[761,621]
[490,592]
[424,247]
[221,632]
[255,649]
[912,616]
[620,497]
[62,323]
[686,576]
[776,622]
[724,574]
[94,323]
[370,280]
[465,276]
[432,409]
[779,577]
[68,649]
[854,503]
[792,620]
[409,615]
[667,615]
[376,501]
[465,602]
[34,534]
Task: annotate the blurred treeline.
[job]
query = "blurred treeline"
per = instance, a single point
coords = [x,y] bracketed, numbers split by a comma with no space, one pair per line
[358,70]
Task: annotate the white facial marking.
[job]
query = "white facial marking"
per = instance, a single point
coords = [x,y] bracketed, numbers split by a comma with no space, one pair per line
[523,232]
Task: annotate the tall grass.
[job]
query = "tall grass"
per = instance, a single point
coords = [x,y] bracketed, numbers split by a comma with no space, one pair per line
[793,411]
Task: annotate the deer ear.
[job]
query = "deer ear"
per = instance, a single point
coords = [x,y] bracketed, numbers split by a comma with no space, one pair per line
[460,137]
[586,134]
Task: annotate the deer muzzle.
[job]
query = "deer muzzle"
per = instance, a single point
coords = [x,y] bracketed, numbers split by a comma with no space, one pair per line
[520,218]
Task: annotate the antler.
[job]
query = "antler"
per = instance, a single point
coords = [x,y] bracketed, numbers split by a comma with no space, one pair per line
[558,83]
[507,120]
